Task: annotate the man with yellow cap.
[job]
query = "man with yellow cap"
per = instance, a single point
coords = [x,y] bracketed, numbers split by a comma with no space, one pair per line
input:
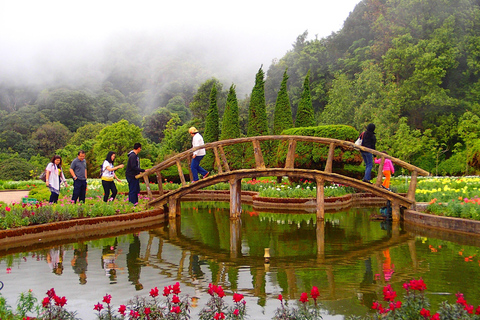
[197,140]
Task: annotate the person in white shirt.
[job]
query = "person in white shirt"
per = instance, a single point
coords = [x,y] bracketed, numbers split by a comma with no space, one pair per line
[54,178]
[108,176]
[197,140]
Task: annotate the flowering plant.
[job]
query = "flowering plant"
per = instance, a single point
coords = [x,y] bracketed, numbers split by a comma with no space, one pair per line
[306,310]
[216,308]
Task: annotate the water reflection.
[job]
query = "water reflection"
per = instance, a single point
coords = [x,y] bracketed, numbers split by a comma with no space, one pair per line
[348,257]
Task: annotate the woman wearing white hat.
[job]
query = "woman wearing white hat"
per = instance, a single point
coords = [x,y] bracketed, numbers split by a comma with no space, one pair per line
[197,140]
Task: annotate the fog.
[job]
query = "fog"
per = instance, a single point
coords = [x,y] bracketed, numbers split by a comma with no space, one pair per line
[80,43]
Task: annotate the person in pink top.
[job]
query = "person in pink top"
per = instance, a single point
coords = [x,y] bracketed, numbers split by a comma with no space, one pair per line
[388,170]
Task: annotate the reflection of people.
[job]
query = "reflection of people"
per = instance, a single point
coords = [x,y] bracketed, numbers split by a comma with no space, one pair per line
[79,263]
[368,295]
[133,263]
[388,267]
[369,141]
[54,177]
[387,171]
[55,260]
[78,170]
[133,168]
[109,262]
[108,175]
[197,156]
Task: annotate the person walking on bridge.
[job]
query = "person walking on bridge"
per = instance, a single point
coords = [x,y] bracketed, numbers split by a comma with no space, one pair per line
[197,141]
[369,140]
[133,168]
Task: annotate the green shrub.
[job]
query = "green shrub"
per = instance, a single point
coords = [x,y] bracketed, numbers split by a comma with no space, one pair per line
[15,169]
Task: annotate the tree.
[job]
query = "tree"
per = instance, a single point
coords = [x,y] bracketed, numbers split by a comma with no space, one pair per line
[257,114]
[87,132]
[211,125]
[231,129]
[119,138]
[155,124]
[200,102]
[177,105]
[283,111]
[50,137]
[305,115]
[125,111]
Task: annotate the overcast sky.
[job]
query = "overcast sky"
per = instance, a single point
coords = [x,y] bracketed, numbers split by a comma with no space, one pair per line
[254,30]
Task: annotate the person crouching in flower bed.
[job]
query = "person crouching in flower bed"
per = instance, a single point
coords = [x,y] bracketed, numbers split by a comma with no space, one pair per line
[54,177]
[108,175]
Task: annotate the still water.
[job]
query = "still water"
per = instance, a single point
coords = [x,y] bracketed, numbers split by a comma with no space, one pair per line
[348,257]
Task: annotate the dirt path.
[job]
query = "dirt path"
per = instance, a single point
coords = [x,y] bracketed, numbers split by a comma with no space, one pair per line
[13,196]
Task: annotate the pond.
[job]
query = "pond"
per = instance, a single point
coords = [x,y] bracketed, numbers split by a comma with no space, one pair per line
[349,258]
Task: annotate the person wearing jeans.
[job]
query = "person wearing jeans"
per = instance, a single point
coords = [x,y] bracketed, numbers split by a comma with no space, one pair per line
[369,141]
[133,168]
[197,141]
[78,170]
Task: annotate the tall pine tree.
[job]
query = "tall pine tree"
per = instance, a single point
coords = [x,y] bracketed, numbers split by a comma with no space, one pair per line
[257,111]
[231,130]
[305,113]
[230,123]
[282,118]
[212,130]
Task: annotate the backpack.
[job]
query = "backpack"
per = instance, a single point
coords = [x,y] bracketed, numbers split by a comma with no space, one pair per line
[43,176]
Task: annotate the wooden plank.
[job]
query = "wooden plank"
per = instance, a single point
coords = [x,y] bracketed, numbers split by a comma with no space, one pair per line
[160,183]
[173,207]
[224,159]
[320,199]
[259,163]
[147,184]
[190,174]
[395,211]
[180,172]
[378,183]
[331,154]
[290,161]
[413,186]
[217,160]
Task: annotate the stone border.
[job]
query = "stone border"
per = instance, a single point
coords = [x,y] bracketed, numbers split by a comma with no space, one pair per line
[452,224]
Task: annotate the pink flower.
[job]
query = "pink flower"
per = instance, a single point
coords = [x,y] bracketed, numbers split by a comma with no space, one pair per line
[122,309]
[9,270]
[107,298]
[98,307]
[314,293]
[8,209]
[280,297]
[154,292]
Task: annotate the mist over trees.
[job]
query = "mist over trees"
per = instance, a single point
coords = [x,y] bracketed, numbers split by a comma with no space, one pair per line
[412,67]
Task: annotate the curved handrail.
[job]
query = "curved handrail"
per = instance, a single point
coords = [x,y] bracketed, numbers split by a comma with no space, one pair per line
[327,141]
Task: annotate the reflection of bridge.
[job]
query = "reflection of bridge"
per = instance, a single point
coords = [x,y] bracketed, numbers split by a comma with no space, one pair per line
[259,269]
[234,177]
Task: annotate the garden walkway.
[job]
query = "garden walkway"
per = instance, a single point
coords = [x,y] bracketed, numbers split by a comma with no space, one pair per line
[13,196]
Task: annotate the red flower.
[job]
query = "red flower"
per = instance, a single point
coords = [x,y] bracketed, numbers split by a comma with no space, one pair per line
[436,316]
[147,311]
[107,298]
[304,297]
[220,292]
[175,309]
[219,315]
[176,299]
[469,308]
[46,302]
[477,311]
[51,293]
[154,292]
[236,312]
[280,297]
[388,293]
[314,293]
[134,314]
[425,313]
[461,300]
[8,209]
[167,291]
[98,307]
[176,288]
[418,285]
[122,309]
[60,301]
[237,297]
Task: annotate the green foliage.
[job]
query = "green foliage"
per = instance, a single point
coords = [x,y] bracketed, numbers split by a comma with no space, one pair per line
[212,130]
[87,132]
[15,168]
[50,137]
[200,101]
[231,130]
[177,105]
[305,116]
[155,124]
[309,155]
[257,115]
[283,110]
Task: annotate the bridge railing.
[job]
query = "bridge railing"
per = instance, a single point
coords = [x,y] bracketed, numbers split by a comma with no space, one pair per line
[221,163]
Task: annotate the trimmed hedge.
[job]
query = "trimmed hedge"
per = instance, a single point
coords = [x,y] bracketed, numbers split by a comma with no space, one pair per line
[313,156]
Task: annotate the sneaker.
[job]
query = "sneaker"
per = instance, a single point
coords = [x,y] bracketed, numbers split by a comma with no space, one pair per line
[366,181]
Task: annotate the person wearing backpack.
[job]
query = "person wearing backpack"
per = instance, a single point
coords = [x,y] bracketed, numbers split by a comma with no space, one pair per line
[54,177]
[108,176]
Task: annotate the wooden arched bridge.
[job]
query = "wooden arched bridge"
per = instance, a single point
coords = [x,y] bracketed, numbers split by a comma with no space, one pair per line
[234,177]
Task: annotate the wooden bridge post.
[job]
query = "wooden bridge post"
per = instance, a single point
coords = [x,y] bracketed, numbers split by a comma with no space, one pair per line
[320,198]
[160,183]
[331,154]
[320,233]
[173,207]
[190,174]
[378,183]
[395,211]
[147,184]
[235,198]
[235,238]
[412,187]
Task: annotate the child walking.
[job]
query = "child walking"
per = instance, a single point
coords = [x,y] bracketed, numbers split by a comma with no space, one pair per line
[388,170]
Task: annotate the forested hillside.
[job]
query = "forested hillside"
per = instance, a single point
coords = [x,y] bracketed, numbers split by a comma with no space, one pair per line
[412,67]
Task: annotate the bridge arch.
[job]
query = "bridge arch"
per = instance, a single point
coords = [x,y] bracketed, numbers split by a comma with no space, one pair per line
[234,177]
